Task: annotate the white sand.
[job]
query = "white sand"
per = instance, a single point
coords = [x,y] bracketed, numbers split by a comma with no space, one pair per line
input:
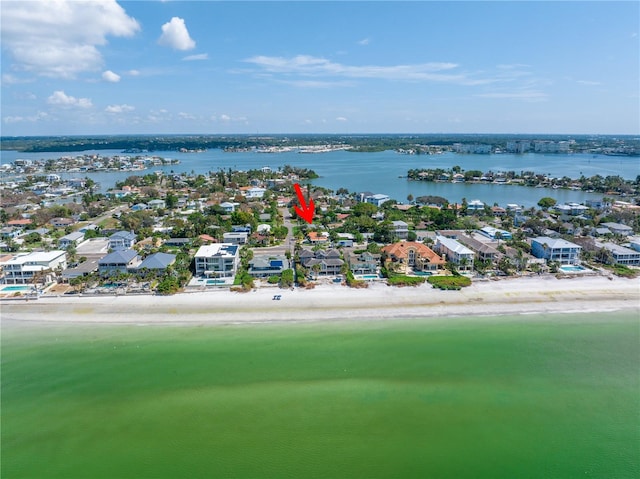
[544,294]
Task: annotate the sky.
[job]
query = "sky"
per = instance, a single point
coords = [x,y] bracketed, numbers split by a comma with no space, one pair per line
[238,67]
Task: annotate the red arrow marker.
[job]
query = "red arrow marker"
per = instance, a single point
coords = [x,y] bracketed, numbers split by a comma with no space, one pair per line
[306,212]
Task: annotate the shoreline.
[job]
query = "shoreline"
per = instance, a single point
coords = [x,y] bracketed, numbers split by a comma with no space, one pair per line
[515,296]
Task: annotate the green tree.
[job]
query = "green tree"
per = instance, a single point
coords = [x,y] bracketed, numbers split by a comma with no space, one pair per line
[546,202]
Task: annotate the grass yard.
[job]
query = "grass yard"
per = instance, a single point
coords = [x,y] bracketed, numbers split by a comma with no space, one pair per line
[532,397]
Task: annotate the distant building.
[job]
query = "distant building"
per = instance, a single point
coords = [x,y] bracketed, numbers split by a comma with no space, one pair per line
[621,255]
[235,237]
[376,199]
[400,229]
[495,233]
[618,228]
[518,146]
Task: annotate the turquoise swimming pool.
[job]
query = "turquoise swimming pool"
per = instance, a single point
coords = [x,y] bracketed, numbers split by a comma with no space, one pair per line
[572,268]
[14,288]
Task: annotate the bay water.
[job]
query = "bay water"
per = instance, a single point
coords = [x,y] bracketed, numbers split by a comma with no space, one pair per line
[384,172]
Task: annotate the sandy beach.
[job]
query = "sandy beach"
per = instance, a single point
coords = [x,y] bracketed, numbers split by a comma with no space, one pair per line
[503,297]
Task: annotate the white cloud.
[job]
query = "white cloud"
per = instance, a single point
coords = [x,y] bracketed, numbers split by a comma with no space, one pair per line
[341,118]
[60,98]
[60,38]
[110,77]
[119,108]
[41,115]
[200,56]
[175,35]
[133,73]
[527,95]
[364,41]
[307,65]
[589,82]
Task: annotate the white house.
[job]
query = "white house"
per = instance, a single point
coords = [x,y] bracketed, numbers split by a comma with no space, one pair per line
[228,207]
[475,205]
[455,252]
[23,267]
[255,192]
[377,199]
[219,260]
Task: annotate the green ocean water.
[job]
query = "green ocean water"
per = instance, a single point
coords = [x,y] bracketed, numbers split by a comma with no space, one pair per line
[540,396]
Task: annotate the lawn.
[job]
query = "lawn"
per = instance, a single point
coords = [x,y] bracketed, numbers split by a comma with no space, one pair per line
[537,397]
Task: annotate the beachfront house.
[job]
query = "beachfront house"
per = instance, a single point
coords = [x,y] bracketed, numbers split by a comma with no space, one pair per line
[620,254]
[455,252]
[555,249]
[363,263]
[25,267]
[157,262]
[120,261]
[264,266]
[410,256]
[217,260]
[321,262]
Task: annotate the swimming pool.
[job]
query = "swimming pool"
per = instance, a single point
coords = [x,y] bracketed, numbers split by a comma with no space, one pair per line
[572,268]
[12,289]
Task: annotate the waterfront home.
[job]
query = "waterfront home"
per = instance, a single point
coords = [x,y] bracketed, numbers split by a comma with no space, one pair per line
[72,239]
[218,260]
[455,252]
[618,228]
[635,243]
[264,266]
[571,209]
[555,249]
[363,263]
[400,229]
[324,263]
[376,199]
[475,205]
[158,262]
[120,261]
[121,240]
[24,267]
[620,254]
[410,256]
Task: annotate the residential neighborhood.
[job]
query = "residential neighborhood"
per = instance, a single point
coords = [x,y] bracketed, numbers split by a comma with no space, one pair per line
[163,234]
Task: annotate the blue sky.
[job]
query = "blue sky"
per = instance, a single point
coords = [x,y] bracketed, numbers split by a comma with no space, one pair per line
[224,67]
